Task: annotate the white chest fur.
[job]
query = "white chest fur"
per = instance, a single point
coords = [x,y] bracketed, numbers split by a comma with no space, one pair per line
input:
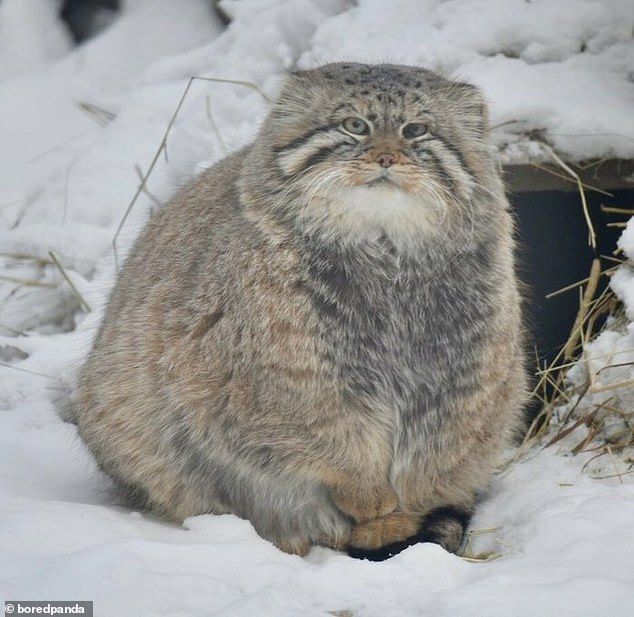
[365,213]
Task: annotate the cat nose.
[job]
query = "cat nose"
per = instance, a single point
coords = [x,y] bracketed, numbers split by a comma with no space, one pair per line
[386,159]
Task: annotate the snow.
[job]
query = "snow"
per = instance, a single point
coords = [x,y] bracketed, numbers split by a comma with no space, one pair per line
[553,67]
[623,280]
[31,36]
[67,175]
[609,359]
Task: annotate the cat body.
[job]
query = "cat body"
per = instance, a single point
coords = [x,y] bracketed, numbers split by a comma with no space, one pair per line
[322,333]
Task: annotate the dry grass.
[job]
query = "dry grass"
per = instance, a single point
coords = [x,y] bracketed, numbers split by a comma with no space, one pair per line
[67,278]
[592,237]
[567,406]
[468,552]
[162,148]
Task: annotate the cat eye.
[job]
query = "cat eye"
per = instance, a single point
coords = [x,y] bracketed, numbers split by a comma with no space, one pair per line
[356,126]
[414,130]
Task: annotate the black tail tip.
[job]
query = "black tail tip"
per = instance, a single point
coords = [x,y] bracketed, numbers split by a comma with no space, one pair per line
[445,526]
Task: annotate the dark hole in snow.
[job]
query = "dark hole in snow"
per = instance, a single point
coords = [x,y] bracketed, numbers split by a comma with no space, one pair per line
[553,253]
[86,18]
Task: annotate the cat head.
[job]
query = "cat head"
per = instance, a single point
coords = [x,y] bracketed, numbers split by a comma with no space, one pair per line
[362,151]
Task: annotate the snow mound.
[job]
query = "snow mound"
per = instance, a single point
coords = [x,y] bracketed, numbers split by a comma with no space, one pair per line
[559,69]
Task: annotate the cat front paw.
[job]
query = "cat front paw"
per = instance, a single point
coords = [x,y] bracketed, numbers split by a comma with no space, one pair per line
[293,546]
[363,502]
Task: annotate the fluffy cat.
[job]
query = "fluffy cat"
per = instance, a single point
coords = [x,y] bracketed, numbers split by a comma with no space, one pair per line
[322,333]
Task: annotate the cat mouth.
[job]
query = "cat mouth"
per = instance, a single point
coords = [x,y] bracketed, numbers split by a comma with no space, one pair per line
[381,180]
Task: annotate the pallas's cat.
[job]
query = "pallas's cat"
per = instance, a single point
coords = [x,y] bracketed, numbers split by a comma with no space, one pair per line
[322,333]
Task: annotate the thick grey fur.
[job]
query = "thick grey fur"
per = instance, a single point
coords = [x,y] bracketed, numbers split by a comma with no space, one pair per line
[309,341]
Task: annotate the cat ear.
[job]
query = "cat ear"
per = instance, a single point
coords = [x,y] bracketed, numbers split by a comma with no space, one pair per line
[300,75]
[474,110]
[295,94]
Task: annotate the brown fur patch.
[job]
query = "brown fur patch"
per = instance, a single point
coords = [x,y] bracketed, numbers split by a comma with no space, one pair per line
[364,503]
[395,527]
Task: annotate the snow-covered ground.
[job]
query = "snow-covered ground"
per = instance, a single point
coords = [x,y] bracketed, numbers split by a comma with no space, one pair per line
[77,130]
